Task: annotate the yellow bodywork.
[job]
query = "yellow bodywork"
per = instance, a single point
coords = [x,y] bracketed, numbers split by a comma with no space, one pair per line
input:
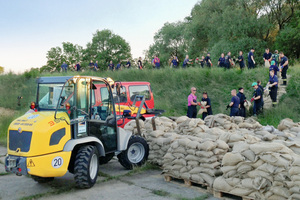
[41,155]
[133,109]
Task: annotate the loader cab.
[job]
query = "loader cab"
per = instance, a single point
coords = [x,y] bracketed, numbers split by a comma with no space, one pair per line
[77,98]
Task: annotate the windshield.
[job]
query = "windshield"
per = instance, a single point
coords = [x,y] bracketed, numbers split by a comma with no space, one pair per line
[49,95]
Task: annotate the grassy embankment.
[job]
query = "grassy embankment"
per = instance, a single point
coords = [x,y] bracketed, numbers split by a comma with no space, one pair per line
[171,88]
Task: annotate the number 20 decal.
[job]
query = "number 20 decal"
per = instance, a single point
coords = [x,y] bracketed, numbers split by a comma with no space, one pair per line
[57,162]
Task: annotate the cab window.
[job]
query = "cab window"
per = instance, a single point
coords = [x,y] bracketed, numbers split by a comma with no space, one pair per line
[123,95]
[139,90]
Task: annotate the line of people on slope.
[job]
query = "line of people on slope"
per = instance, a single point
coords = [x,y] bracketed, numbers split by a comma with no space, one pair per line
[238,101]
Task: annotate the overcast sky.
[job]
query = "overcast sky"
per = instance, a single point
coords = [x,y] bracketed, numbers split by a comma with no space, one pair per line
[28,29]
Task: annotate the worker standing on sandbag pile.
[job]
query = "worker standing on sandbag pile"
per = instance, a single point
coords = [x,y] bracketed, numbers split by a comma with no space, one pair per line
[207,106]
[273,83]
[234,104]
[256,98]
[192,104]
[242,97]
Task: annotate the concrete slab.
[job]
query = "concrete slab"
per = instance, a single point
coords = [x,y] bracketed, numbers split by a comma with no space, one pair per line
[153,180]
[113,168]
[16,187]
[111,190]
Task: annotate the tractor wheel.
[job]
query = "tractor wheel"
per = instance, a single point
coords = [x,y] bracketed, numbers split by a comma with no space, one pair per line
[42,179]
[86,166]
[105,159]
[136,153]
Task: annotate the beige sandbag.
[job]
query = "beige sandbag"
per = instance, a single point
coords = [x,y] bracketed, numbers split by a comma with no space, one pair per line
[193,163]
[202,110]
[258,173]
[221,185]
[218,151]
[236,138]
[240,146]
[249,155]
[207,178]
[275,159]
[207,146]
[183,170]
[222,145]
[241,191]
[180,149]
[294,170]
[179,161]
[192,144]
[206,154]
[245,125]
[295,177]
[156,133]
[185,176]
[286,124]
[295,196]
[210,165]
[266,147]
[280,191]
[232,159]
[226,169]
[244,168]
[192,158]
[181,119]
[191,151]
[197,178]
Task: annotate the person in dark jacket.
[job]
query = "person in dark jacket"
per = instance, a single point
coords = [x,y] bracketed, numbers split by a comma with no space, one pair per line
[234,104]
[242,97]
[256,98]
[273,83]
[207,106]
[262,96]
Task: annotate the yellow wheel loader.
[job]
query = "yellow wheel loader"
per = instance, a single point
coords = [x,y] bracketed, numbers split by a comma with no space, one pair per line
[69,129]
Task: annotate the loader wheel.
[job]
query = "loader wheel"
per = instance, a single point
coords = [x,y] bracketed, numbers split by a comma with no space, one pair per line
[42,179]
[136,153]
[86,166]
[105,159]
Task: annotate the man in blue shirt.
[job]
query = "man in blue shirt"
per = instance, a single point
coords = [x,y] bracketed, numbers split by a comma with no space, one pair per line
[284,65]
[96,66]
[207,106]
[221,61]
[228,60]
[111,66]
[241,60]
[274,67]
[78,66]
[251,61]
[267,58]
[175,62]
[91,65]
[273,83]
[128,64]
[257,99]
[234,104]
[118,65]
[64,67]
[242,101]
[208,61]
[186,61]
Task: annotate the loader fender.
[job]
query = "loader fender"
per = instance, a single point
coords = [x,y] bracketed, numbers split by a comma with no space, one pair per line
[69,146]
[123,138]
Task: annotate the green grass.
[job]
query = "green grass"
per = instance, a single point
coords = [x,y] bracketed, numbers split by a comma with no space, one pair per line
[170,87]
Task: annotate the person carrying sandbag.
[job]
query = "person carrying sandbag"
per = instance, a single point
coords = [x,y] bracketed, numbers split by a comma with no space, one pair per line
[205,106]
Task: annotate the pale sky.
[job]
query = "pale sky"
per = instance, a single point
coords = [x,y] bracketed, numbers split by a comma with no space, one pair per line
[28,29]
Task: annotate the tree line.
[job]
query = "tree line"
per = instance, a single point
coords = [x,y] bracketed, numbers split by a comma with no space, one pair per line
[215,26]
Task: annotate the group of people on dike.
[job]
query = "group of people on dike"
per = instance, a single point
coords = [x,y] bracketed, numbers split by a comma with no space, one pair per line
[239,101]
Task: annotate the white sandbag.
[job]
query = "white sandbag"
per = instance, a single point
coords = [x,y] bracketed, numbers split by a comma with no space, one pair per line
[232,159]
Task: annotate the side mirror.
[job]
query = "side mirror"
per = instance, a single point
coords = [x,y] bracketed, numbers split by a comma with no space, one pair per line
[111,121]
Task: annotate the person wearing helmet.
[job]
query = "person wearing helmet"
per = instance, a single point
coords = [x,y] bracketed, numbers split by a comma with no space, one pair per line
[257,96]
[274,67]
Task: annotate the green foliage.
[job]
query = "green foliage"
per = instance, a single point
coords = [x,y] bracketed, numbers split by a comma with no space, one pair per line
[288,39]
[106,46]
[55,59]
[1,70]
[32,73]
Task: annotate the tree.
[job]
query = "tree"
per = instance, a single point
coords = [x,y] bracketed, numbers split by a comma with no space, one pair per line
[106,46]
[55,58]
[1,70]
[72,53]
[169,41]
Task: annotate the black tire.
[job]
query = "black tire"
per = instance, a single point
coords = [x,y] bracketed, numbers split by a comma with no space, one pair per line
[86,167]
[42,179]
[105,159]
[129,158]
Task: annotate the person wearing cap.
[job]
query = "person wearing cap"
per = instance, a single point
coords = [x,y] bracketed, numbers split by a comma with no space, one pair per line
[273,84]
[284,65]
[251,61]
[234,104]
[207,106]
[192,104]
[267,57]
[274,67]
[242,97]
[256,98]
[208,60]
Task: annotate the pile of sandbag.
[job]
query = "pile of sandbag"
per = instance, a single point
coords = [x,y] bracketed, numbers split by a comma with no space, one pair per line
[196,159]
[231,123]
[294,183]
[159,142]
[259,170]
[189,126]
